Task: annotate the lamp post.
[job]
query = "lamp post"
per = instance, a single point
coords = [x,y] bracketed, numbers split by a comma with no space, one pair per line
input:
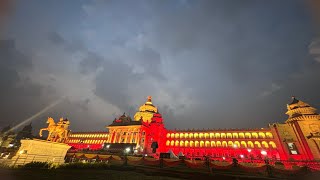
[126,152]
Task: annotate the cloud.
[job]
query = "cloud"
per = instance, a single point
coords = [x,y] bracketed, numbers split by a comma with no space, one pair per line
[206,63]
[274,88]
[314,49]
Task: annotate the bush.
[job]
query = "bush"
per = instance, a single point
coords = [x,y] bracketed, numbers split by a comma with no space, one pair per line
[80,165]
[278,163]
[37,165]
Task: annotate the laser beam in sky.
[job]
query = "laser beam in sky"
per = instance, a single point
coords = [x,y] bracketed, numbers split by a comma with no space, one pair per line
[38,114]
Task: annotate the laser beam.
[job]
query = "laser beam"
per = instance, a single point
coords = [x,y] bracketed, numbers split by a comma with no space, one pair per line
[38,113]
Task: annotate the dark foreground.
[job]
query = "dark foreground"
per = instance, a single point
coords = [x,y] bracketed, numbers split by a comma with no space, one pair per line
[106,174]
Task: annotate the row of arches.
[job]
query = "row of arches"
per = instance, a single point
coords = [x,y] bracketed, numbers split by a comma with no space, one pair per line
[234,135]
[87,141]
[93,135]
[232,144]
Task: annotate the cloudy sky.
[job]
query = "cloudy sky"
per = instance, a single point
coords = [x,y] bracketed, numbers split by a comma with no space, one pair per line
[207,63]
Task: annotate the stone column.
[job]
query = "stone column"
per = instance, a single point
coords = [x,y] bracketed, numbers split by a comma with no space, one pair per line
[131,136]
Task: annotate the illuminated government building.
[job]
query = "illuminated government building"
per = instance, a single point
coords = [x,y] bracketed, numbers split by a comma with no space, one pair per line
[297,138]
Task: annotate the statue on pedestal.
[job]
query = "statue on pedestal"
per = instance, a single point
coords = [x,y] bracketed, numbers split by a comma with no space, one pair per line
[57,132]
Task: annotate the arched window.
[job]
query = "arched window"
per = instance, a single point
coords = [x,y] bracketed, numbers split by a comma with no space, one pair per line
[235,135]
[218,144]
[264,144]
[243,144]
[213,144]
[218,135]
[196,135]
[168,135]
[186,143]
[181,144]
[206,135]
[247,135]
[207,144]
[250,144]
[257,144]
[223,135]
[269,135]
[196,143]
[262,135]
[254,135]
[272,144]
[224,144]
[229,135]
[201,144]
[181,135]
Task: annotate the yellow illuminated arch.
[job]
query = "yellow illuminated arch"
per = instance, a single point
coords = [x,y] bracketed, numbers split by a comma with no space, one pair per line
[196,144]
[257,144]
[218,135]
[211,135]
[186,143]
[172,135]
[229,135]
[235,135]
[213,144]
[176,135]
[201,144]
[207,144]
[250,144]
[172,143]
[201,135]
[168,135]
[206,135]
[186,135]
[254,135]
[237,144]
[190,135]
[181,144]
[265,144]
[224,144]
[223,135]
[181,135]
[247,135]
[269,135]
[177,143]
[195,135]
[230,143]
[243,144]
[218,144]
[272,144]
[191,144]
[262,135]
[241,135]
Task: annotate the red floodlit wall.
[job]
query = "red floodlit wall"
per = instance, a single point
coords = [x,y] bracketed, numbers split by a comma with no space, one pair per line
[253,144]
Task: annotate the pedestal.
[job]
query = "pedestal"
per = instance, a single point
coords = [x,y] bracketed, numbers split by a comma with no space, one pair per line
[40,151]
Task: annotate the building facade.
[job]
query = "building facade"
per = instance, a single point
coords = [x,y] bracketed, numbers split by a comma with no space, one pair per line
[298,138]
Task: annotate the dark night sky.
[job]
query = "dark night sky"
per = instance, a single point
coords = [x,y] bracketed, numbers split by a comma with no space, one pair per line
[207,63]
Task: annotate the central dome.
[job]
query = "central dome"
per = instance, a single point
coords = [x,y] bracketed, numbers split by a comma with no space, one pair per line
[146,111]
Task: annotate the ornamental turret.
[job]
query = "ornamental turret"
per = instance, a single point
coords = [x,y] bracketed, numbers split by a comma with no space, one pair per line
[299,111]
[146,111]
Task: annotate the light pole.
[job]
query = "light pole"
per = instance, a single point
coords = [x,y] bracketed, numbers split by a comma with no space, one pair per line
[126,152]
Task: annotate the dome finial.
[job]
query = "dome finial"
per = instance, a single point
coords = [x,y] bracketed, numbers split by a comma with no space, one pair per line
[149,98]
